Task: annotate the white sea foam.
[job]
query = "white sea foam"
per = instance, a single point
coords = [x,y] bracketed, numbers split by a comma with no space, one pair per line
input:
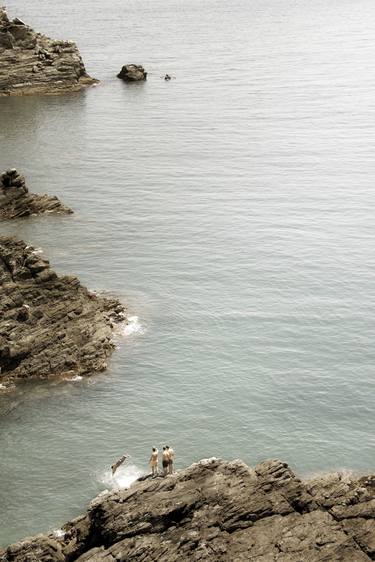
[36,251]
[123,478]
[75,378]
[133,326]
[58,533]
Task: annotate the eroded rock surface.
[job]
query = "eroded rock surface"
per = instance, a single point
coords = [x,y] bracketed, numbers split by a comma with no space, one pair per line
[16,201]
[31,63]
[49,325]
[219,511]
[132,73]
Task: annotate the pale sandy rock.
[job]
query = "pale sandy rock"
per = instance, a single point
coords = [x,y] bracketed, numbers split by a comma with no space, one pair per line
[31,63]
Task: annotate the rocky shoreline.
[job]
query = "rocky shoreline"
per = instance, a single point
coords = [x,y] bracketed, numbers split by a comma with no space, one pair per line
[16,201]
[31,63]
[49,325]
[219,511]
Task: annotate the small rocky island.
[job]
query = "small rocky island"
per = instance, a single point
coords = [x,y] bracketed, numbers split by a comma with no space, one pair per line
[219,511]
[132,73]
[31,63]
[16,201]
[49,325]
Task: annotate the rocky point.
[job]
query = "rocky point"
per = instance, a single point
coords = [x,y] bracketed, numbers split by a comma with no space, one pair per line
[50,325]
[219,511]
[31,63]
[16,201]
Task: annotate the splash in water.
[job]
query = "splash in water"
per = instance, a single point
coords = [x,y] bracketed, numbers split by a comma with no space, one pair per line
[75,378]
[133,326]
[123,477]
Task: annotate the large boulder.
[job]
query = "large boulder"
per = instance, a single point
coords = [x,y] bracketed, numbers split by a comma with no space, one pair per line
[132,73]
[16,201]
[31,63]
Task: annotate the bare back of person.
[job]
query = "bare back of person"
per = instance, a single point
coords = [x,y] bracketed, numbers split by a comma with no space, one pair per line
[154,460]
[165,459]
[171,459]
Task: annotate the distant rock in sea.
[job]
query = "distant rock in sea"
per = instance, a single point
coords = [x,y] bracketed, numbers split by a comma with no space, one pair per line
[49,325]
[132,73]
[219,511]
[31,63]
[16,201]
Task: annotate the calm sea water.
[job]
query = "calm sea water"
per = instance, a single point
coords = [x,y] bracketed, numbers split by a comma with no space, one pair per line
[232,209]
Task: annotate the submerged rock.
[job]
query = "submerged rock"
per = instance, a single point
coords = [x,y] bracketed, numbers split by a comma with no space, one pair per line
[219,511]
[16,201]
[132,73]
[31,63]
[49,325]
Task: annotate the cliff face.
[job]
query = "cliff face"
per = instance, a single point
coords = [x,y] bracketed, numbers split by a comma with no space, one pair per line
[31,63]
[16,201]
[49,325]
[219,511]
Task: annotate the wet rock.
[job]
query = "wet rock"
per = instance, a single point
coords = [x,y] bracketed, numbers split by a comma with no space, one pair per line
[49,325]
[31,63]
[132,73]
[16,201]
[215,511]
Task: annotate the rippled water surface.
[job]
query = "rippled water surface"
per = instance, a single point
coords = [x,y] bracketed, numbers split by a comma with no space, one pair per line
[232,209]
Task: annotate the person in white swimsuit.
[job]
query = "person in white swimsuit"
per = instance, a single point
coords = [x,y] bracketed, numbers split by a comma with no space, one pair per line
[154,461]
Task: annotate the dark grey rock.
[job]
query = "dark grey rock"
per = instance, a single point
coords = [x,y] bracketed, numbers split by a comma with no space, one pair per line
[217,511]
[132,73]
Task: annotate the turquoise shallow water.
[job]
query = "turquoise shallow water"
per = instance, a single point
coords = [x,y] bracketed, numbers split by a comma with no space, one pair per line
[232,210]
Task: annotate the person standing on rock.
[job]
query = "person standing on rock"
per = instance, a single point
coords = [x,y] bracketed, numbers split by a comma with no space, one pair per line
[165,461]
[154,461]
[171,459]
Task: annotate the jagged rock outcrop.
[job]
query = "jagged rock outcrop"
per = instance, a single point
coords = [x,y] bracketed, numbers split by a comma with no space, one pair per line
[49,325]
[132,73]
[16,201]
[31,63]
[219,511]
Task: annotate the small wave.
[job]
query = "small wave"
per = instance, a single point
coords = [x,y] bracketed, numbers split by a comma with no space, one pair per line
[37,251]
[133,326]
[58,533]
[75,378]
[123,478]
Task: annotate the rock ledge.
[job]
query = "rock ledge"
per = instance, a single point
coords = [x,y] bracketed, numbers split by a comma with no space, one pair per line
[219,511]
[16,201]
[31,63]
[49,325]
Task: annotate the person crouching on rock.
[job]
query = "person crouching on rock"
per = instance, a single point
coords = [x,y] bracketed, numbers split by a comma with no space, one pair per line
[171,459]
[165,461]
[154,461]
